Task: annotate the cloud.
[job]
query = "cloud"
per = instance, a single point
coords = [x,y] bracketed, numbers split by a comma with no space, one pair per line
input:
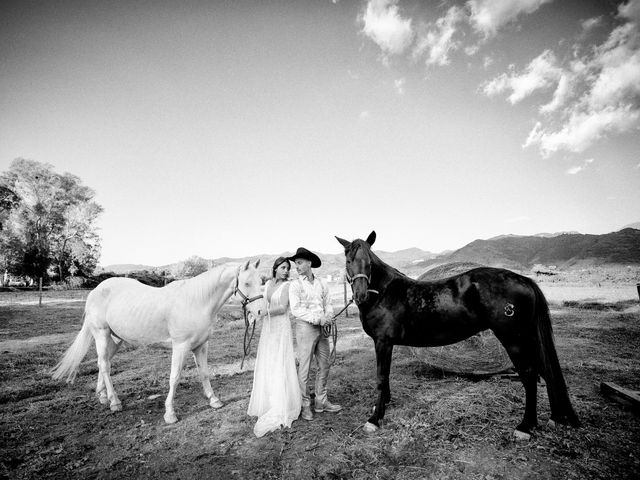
[583,129]
[399,85]
[597,95]
[579,168]
[591,23]
[542,72]
[384,25]
[436,41]
[488,16]
[364,115]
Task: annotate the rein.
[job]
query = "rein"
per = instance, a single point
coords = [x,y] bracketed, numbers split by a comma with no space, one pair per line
[331,330]
[247,336]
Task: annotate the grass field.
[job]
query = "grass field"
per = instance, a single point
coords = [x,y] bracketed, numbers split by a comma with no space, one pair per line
[438,425]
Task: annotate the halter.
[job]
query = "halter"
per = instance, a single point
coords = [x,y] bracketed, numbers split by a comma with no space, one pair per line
[245,301]
[360,275]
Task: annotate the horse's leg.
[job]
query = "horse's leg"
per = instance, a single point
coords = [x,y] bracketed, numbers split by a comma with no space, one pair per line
[177,361]
[105,347]
[523,356]
[101,391]
[200,355]
[383,360]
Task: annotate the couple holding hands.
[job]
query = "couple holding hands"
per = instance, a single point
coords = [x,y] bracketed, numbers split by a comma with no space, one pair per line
[280,394]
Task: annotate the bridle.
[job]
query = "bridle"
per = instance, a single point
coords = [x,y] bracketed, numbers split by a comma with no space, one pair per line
[351,279]
[245,301]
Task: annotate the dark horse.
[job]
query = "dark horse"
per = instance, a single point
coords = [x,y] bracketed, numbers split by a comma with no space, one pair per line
[396,310]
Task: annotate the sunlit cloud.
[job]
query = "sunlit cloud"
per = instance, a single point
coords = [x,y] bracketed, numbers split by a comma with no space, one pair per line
[488,16]
[542,72]
[591,23]
[436,41]
[383,24]
[399,85]
[597,95]
[579,168]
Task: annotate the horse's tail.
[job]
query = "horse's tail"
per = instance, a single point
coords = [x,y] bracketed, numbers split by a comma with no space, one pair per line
[561,408]
[68,365]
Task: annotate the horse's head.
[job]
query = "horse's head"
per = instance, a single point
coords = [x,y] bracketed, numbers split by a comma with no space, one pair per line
[358,267]
[249,290]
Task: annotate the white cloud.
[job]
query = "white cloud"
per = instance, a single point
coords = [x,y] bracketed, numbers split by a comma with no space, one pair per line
[597,93]
[364,115]
[542,72]
[384,25]
[579,168]
[399,85]
[582,129]
[488,16]
[560,96]
[591,23]
[437,39]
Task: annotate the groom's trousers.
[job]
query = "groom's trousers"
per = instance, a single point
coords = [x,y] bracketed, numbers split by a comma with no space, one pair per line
[310,342]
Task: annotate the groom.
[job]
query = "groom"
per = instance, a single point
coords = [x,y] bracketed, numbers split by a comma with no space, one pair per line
[311,308]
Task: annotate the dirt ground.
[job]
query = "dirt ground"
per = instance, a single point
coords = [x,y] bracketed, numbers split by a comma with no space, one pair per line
[438,425]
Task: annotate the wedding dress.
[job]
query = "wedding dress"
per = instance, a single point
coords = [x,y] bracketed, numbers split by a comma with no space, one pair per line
[275,397]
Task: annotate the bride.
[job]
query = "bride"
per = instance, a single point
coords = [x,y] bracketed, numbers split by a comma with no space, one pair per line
[275,397]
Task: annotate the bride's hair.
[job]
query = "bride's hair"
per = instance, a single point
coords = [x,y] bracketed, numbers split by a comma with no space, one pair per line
[279,261]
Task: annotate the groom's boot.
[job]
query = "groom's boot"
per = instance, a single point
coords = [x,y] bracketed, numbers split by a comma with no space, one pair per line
[306,413]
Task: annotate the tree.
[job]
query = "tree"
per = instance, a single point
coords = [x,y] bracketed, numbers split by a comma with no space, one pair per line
[191,267]
[50,223]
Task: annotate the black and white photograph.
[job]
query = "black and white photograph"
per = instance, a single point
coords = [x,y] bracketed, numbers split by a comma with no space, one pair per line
[320,239]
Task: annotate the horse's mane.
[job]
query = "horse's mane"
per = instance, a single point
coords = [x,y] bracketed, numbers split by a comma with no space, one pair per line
[379,262]
[202,286]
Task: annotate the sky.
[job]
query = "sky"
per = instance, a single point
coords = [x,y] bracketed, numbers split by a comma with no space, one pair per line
[237,128]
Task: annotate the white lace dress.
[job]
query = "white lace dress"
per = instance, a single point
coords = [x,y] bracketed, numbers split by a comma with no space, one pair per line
[275,397]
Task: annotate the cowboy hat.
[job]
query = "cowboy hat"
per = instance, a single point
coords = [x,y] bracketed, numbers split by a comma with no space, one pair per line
[307,255]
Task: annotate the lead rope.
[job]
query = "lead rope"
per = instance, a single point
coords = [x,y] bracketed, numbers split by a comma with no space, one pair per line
[247,344]
[331,330]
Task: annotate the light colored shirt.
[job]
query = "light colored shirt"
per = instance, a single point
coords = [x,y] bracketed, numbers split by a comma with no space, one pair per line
[309,301]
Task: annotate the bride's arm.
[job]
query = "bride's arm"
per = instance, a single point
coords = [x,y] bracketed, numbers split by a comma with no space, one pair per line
[283,304]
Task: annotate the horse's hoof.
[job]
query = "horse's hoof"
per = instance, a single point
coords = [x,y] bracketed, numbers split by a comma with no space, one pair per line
[551,424]
[103,399]
[521,436]
[216,404]
[370,428]
[170,418]
[116,407]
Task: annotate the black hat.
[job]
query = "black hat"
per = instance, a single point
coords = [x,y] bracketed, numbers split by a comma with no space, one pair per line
[307,255]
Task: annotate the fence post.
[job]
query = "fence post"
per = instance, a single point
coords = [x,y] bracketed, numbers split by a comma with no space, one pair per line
[40,290]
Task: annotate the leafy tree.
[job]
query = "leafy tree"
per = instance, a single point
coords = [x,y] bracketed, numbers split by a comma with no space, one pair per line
[48,222]
[191,267]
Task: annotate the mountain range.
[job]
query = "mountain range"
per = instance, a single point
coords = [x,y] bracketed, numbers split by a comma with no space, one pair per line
[565,250]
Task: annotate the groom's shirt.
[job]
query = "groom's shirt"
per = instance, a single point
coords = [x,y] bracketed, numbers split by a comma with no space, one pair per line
[309,301]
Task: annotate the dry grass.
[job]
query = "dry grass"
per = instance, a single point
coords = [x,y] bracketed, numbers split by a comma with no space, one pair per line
[437,426]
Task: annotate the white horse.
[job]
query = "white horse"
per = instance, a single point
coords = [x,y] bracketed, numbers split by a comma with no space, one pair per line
[123,309]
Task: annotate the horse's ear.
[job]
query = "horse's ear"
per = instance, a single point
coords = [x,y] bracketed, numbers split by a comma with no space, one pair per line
[246,265]
[371,238]
[343,242]
[257,263]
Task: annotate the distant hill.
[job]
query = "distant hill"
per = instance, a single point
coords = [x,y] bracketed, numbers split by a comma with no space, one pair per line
[635,225]
[122,268]
[563,250]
